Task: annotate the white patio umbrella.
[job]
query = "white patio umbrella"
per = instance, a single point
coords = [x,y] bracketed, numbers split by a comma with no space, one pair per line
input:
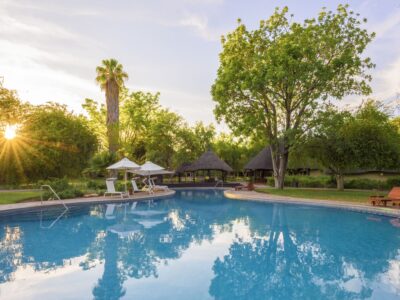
[124,165]
[149,168]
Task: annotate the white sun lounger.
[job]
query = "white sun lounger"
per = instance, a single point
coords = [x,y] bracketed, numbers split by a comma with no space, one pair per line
[111,189]
[147,186]
[158,187]
[134,186]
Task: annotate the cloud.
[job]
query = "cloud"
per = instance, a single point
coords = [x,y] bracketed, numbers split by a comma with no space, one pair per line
[384,50]
[200,25]
[392,22]
[33,59]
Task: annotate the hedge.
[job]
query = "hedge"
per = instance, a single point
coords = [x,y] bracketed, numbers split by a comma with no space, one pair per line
[330,182]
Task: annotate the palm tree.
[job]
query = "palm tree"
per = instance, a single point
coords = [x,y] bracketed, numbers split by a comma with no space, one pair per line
[111,77]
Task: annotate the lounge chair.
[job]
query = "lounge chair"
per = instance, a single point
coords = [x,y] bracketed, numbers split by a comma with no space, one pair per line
[134,186]
[148,187]
[158,187]
[111,189]
[393,197]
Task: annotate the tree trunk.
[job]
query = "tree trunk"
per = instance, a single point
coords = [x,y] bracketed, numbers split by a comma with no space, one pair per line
[112,101]
[340,182]
[280,155]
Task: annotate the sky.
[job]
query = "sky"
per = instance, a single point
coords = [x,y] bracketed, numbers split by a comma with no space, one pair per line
[49,49]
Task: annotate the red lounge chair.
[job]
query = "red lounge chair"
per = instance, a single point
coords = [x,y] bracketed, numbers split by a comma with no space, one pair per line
[393,196]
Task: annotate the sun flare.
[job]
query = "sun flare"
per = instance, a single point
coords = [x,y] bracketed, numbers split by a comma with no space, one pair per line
[10,132]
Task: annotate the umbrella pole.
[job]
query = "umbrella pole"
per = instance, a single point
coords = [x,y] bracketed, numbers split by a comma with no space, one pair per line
[126,173]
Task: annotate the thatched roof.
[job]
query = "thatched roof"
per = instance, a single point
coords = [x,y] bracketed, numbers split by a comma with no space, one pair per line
[183,168]
[262,161]
[210,161]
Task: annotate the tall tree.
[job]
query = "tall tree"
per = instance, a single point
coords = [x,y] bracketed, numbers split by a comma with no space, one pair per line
[271,80]
[111,77]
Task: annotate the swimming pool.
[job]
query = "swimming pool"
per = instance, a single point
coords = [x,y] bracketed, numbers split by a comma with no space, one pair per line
[198,245]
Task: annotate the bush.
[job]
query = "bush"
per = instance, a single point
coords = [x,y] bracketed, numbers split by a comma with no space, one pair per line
[303,181]
[95,185]
[365,184]
[98,164]
[62,187]
[392,182]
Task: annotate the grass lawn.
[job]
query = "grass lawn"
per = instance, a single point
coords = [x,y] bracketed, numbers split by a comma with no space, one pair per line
[19,196]
[324,194]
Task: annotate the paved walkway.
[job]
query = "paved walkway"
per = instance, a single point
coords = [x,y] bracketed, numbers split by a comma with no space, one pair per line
[93,200]
[255,196]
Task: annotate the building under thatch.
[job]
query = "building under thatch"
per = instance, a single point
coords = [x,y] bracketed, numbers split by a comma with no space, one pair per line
[209,161]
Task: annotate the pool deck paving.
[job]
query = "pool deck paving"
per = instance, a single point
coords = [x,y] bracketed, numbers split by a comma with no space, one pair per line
[360,207]
[84,200]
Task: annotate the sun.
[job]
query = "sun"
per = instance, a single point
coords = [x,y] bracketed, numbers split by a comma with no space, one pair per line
[10,132]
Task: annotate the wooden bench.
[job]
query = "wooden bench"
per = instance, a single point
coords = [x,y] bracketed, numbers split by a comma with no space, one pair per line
[249,187]
[393,197]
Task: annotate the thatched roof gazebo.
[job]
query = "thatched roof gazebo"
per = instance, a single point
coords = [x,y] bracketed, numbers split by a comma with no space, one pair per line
[209,161]
[183,170]
[261,165]
[262,161]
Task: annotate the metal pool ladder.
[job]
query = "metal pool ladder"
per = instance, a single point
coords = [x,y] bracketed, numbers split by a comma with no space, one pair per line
[54,193]
[219,182]
[41,201]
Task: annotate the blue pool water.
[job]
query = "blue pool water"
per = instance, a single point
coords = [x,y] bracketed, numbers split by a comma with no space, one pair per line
[199,245]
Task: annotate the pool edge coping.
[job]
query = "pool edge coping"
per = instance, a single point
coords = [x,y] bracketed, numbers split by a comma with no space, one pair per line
[15,207]
[261,197]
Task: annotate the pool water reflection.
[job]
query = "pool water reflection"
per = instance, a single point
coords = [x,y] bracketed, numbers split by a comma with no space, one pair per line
[199,245]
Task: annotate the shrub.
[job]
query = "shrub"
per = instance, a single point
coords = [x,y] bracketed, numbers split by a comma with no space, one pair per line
[306,181]
[62,187]
[94,185]
[392,182]
[98,164]
[365,184]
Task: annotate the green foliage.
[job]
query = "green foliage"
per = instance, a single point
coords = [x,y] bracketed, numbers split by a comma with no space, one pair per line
[392,182]
[272,80]
[95,185]
[150,132]
[306,181]
[329,182]
[62,187]
[111,77]
[110,70]
[97,121]
[192,142]
[234,152]
[365,140]
[365,184]
[51,142]
[12,110]
[98,164]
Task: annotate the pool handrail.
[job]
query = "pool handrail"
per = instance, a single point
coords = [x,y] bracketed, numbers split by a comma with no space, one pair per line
[54,193]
